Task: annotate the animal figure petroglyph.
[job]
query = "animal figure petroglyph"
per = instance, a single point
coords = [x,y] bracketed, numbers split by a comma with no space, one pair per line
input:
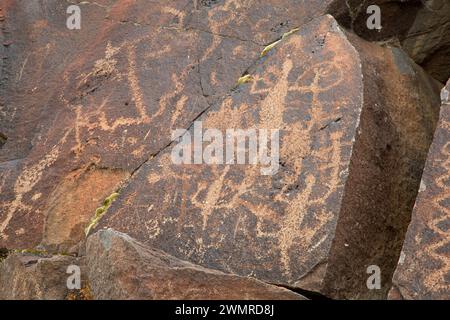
[225,194]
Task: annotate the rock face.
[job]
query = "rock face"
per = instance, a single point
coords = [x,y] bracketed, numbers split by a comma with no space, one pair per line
[26,276]
[90,106]
[121,268]
[428,40]
[348,142]
[423,270]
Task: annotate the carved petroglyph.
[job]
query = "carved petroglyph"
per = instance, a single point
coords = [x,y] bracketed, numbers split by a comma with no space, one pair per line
[424,266]
[435,279]
[211,206]
[83,120]
[84,115]
[291,233]
[25,182]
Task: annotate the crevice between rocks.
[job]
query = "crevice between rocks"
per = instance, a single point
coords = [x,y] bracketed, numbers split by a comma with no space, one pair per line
[3,139]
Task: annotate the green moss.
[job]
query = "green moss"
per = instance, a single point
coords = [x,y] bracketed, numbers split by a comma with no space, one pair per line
[272,45]
[100,212]
[287,34]
[244,79]
[269,47]
[33,251]
[85,293]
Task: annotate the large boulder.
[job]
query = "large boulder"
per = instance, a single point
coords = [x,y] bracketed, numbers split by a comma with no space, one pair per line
[423,270]
[421,27]
[355,122]
[122,268]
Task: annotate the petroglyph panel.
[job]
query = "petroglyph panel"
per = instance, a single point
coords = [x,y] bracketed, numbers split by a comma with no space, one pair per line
[423,270]
[84,114]
[113,101]
[232,218]
[110,95]
[348,142]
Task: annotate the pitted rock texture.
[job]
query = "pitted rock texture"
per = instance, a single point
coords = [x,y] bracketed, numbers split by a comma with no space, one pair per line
[345,147]
[122,268]
[423,270]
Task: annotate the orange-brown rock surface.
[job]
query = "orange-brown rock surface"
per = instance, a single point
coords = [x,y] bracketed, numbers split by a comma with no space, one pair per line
[87,122]
[105,98]
[423,270]
[348,142]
